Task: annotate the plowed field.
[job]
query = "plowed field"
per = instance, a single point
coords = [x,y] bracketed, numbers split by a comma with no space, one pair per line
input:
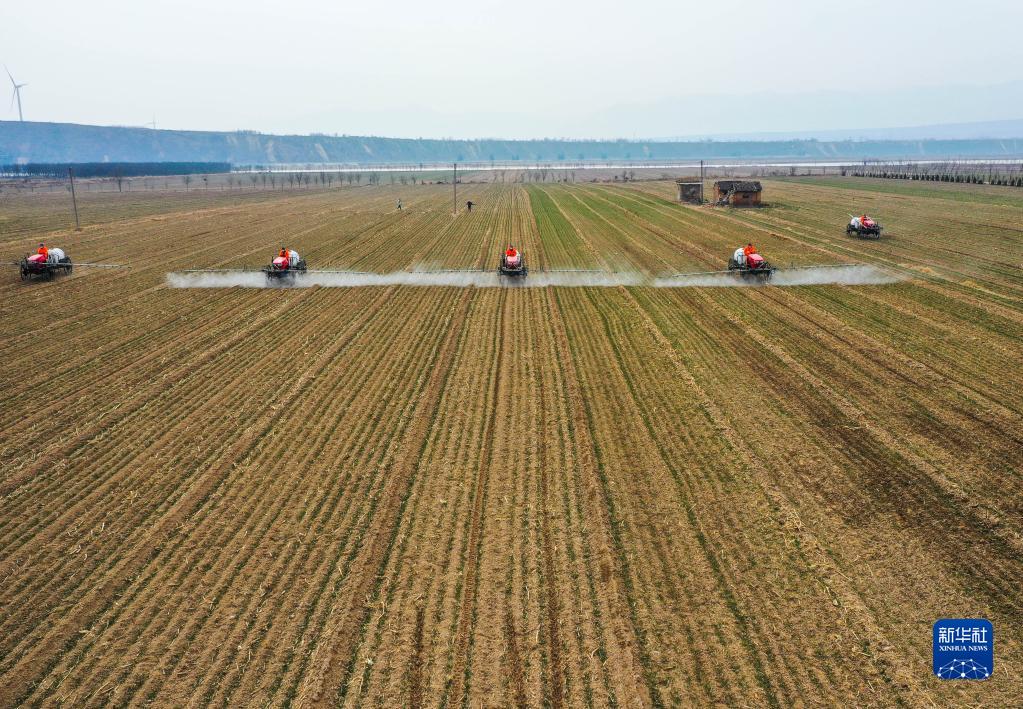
[463,497]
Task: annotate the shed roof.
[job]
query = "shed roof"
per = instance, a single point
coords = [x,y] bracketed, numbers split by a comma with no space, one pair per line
[738,185]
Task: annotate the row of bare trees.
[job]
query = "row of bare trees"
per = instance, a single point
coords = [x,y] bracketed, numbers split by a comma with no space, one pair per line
[1003,174]
[544,174]
[270,180]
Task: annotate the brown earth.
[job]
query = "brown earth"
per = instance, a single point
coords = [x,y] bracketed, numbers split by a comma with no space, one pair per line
[515,496]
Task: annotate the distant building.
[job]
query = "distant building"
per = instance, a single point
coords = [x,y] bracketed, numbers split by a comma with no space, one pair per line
[690,191]
[738,193]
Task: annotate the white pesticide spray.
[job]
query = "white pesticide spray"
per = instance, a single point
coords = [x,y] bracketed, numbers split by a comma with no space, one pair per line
[852,275]
[436,279]
[842,275]
[217,280]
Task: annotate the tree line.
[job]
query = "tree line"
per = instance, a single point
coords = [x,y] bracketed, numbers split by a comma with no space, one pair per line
[115,169]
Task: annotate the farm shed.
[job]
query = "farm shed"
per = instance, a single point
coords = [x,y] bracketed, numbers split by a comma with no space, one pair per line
[690,191]
[738,193]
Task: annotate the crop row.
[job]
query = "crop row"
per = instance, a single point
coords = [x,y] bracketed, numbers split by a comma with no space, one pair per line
[522,496]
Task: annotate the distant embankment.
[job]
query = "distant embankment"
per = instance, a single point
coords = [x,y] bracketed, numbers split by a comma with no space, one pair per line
[73,143]
[114,169]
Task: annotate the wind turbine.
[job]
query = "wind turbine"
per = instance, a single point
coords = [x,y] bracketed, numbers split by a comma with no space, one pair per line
[16,95]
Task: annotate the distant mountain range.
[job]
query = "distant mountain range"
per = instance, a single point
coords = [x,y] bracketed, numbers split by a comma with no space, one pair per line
[69,142]
[943,131]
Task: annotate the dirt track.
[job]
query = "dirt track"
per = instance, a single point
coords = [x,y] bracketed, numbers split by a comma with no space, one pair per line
[562,496]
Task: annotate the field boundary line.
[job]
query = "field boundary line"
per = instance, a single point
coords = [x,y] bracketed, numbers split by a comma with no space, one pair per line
[593,462]
[550,591]
[458,690]
[335,653]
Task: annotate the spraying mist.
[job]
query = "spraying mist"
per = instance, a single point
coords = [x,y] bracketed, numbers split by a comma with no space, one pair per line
[455,279]
[813,276]
[818,275]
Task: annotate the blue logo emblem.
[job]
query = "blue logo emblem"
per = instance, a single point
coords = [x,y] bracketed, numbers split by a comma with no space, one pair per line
[964,648]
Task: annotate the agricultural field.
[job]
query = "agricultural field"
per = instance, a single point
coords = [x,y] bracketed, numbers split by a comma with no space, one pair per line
[460,496]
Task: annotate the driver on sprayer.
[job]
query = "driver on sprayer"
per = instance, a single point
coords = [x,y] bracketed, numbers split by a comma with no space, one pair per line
[44,251]
[284,255]
[511,251]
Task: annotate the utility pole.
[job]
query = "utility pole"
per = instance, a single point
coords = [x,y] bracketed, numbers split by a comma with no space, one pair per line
[454,183]
[74,199]
[701,182]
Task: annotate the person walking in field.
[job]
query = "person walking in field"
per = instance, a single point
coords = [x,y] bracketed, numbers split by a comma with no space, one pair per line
[399,205]
[468,205]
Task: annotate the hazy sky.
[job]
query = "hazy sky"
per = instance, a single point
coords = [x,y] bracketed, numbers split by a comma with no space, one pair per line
[511,69]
